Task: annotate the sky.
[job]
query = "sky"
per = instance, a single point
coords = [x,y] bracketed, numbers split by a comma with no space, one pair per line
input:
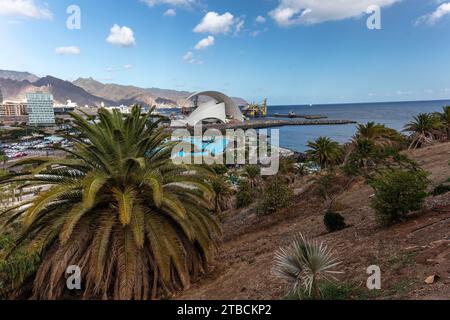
[290,51]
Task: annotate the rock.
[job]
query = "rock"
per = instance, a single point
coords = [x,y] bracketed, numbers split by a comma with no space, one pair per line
[431,279]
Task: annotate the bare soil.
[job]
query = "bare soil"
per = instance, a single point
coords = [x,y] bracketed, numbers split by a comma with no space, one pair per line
[407,253]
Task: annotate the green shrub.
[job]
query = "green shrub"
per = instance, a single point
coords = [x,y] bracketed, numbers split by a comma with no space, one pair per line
[276,196]
[220,169]
[440,189]
[328,291]
[398,192]
[244,196]
[334,221]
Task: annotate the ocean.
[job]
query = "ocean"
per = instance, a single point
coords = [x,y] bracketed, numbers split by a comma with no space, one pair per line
[393,114]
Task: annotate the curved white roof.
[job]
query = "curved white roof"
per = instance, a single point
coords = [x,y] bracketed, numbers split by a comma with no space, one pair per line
[231,109]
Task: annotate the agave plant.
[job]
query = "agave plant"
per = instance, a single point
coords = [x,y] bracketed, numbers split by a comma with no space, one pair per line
[136,224]
[304,264]
[324,152]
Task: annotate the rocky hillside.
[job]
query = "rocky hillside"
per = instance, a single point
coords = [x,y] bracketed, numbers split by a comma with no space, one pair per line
[18,76]
[87,91]
[131,94]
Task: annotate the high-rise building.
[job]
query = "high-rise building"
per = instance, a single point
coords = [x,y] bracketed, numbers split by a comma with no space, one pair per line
[40,109]
[1,96]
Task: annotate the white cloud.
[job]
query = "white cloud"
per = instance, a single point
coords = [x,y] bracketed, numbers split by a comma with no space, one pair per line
[175,3]
[189,58]
[260,19]
[205,43]
[67,50]
[170,13]
[214,23]
[306,12]
[24,8]
[121,36]
[434,17]
[128,66]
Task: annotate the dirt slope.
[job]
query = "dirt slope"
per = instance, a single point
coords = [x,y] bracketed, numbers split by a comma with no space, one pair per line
[407,253]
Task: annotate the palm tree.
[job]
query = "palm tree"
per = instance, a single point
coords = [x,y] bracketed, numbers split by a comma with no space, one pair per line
[423,128]
[324,152]
[222,194]
[378,133]
[134,222]
[445,120]
[253,175]
[304,264]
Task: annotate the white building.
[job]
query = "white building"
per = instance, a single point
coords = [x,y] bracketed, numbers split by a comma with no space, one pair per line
[122,109]
[221,108]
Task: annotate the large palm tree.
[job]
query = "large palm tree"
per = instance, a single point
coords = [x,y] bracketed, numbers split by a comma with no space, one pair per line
[324,152]
[422,129]
[136,224]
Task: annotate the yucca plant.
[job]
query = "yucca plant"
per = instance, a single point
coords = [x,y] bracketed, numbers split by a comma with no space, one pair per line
[136,224]
[304,264]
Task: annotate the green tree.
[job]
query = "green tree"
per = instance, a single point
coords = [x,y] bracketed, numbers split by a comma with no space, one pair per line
[445,120]
[324,152]
[252,173]
[423,129]
[398,192]
[276,196]
[222,193]
[378,133]
[137,224]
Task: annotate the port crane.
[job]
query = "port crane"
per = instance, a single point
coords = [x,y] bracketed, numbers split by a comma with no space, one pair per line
[254,110]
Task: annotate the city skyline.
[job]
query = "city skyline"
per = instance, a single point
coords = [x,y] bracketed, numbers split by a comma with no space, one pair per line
[293,52]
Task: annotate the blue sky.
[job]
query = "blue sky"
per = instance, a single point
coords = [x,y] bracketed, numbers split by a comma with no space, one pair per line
[298,51]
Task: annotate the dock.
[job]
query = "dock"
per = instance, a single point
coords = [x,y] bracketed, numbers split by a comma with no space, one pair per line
[262,124]
[308,117]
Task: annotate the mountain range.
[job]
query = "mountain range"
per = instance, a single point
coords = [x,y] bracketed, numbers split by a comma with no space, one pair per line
[88,91]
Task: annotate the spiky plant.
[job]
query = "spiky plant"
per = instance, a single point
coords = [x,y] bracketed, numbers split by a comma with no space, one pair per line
[136,224]
[324,152]
[304,264]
